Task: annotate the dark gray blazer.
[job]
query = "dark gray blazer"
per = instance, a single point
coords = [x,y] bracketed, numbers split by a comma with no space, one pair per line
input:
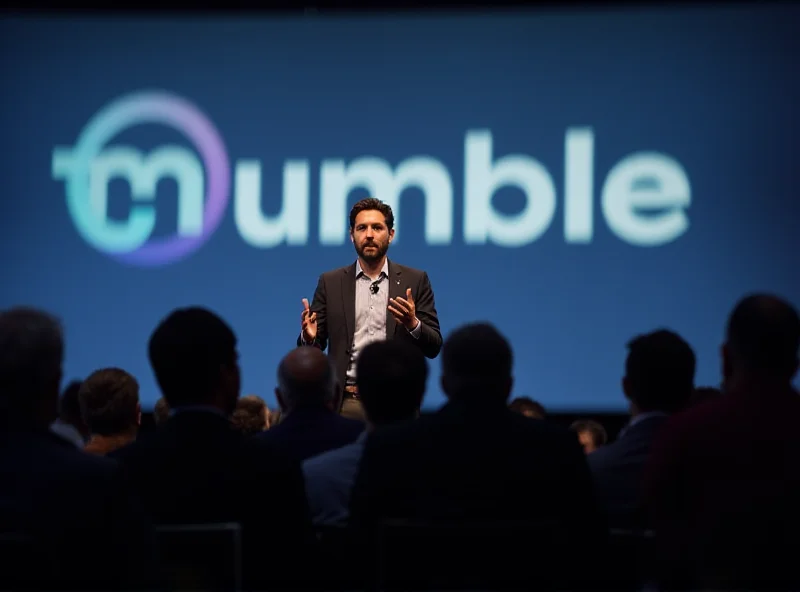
[335,305]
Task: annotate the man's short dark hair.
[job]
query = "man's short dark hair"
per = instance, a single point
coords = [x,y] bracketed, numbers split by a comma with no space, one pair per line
[660,371]
[391,377]
[249,417]
[370,203]
[763,335]
[109,400]
[475,358]
[523,404]
[593,428]
[187,351]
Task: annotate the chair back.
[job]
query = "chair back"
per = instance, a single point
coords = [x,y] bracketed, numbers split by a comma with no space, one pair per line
[201,557]
[488,555]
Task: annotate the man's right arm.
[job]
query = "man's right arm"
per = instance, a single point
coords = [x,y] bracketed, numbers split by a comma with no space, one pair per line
[319,306]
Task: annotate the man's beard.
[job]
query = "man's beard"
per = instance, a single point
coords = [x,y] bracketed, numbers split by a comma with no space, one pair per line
[373,255]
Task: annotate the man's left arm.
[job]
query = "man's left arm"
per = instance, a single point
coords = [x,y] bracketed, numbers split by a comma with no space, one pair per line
[426,334]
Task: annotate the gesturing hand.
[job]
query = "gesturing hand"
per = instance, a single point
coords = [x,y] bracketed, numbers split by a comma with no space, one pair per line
[308,323]
[404,311]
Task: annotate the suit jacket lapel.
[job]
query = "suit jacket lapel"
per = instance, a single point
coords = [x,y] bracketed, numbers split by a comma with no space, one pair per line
[396,290]
[349,301]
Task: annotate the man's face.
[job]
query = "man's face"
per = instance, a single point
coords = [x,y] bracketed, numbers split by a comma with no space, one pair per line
[587,441]
[370,235]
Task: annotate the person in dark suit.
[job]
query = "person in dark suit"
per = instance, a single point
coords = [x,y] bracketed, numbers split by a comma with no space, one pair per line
[197,469]
[475,462]
[723,482]
[309,398]
[67,519]
[658,381]
[370,300]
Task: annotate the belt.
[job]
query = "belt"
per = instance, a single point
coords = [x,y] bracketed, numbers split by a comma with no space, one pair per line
[351,392]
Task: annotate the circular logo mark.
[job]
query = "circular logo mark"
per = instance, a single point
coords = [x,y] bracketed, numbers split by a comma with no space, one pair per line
[167,109]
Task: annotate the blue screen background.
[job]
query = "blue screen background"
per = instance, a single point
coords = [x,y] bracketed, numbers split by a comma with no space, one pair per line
[714,89]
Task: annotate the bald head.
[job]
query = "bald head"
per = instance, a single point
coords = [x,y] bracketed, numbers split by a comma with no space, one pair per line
[763,337]
[305,379]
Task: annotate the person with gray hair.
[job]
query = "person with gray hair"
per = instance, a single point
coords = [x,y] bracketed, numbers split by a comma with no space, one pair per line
[43,474]
[309,397]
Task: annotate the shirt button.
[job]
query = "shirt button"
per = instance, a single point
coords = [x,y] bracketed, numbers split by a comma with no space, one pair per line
[370,307]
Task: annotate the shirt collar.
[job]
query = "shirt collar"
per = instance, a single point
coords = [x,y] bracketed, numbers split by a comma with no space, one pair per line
[384,269]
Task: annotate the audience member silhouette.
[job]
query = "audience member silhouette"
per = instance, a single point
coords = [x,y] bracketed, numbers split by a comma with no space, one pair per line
[659,380]
[77,526]
[109,400]
[591,434]
[391,384]
[476,462]
[308,395]
[251,415]
[197,469]
[723,483]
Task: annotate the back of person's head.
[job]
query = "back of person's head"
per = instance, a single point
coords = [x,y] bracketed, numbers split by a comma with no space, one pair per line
[306,380]
[763,339]
[194,359]
[161,411]
[31,357]
[391,377]
[591,434]
[659,372]
[528,407]
[476,364]
[251,415]
[109,401]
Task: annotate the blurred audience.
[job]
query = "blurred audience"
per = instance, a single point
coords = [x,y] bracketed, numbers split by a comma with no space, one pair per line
[391,384]
[82,529]
[658,381]
[70,424]
[528,407]
[109,401]
[475,461]
[161,411]
[251,415]
[197,469]
[591,434]
[309,399]
[705,480]
[723,482]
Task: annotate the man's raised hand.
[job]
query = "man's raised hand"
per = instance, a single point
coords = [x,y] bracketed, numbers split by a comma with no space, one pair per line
[308,323]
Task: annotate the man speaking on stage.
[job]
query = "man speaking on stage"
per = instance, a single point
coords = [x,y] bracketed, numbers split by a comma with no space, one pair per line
[370,300]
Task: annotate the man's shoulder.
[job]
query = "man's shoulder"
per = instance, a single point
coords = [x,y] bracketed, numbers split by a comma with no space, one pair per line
[322,464]
[404,269]
[54,451]
[349,425]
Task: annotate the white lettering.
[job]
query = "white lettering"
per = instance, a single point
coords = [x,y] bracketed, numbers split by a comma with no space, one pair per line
[647,181]
[291,225]
[482,179]
[578,186]
[376,176]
